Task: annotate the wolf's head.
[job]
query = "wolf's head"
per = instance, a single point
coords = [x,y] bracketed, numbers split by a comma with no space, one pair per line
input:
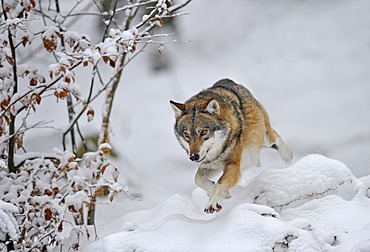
[201,130]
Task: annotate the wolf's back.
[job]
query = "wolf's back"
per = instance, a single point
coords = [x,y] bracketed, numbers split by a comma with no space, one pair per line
[241,92]
[224,90]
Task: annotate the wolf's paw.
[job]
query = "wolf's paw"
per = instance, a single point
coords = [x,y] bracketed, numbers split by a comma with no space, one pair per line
[211,208]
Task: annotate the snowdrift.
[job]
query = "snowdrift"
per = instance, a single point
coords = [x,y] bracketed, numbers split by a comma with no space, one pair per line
[314,205]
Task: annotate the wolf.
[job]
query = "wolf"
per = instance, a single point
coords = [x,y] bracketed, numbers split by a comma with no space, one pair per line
[221,128]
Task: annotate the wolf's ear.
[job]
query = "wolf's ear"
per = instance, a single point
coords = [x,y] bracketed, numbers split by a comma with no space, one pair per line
[213,107]
[178,108]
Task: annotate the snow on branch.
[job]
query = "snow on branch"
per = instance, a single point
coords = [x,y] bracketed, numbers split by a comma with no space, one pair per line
[46,199]
[8,223]
[51,192]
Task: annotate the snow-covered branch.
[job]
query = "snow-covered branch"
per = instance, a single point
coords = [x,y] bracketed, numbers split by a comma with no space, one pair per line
[8,223]
[48,197]
[51,191]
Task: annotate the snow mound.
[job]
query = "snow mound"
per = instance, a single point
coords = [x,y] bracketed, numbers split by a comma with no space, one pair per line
[325,208]
[246,226]
[313,176]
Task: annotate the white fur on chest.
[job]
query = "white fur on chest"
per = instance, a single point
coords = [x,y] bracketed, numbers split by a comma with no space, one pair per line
[214,146]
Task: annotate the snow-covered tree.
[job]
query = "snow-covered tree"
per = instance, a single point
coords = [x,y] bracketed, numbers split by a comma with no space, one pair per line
[44,197]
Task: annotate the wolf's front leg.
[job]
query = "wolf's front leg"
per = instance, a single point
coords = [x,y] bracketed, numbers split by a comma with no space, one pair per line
[201,179]
[228,179]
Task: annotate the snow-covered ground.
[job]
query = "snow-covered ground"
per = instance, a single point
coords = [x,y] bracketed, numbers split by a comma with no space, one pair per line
[308,62]
[315,205]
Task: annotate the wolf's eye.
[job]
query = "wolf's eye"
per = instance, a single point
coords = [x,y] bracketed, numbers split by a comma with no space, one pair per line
[186,136]
[204,132]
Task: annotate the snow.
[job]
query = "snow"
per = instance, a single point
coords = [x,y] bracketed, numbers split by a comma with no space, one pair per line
[145,18]
[362,247]
[50,32]
[76,199]
[317,224]
[312,76]
[7,207]
[8,224]
[105,147]
[308,63]
[330,176]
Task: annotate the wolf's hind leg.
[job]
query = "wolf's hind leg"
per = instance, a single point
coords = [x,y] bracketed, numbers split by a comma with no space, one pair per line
[251,157]
[273,140]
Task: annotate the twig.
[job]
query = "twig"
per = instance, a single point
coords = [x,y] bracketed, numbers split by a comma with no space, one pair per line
[69,14]
[179,6]
[117,11]
[110,20]
[23,128]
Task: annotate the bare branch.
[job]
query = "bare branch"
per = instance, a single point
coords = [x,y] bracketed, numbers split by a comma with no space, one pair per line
[117,10]
[178,6]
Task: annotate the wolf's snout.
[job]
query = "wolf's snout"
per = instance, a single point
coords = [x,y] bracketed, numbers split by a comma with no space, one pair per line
[194,157]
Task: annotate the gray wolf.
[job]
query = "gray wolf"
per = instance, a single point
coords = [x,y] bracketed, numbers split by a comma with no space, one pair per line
[221,128]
